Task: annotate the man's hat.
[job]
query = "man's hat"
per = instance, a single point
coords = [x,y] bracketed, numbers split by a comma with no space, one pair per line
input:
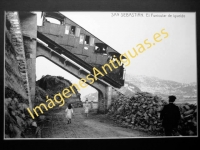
[172,98]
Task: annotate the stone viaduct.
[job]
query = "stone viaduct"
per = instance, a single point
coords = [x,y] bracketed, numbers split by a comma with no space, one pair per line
[78,67]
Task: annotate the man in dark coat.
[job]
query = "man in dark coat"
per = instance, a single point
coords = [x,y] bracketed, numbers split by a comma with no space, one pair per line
[170,116]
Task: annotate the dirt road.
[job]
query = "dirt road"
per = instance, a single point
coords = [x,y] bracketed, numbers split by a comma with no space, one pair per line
[93,126]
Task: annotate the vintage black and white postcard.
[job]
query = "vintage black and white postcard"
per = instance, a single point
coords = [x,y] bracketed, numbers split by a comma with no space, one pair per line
[100,74]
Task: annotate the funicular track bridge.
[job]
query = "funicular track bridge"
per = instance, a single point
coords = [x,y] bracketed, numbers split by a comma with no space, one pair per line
[72,48]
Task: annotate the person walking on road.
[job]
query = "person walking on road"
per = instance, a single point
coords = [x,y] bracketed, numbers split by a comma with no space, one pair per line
[170,116]
[86,107]
[91,104]
[69,113]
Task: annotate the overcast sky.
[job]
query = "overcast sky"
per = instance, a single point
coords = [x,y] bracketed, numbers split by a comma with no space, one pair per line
[174,58]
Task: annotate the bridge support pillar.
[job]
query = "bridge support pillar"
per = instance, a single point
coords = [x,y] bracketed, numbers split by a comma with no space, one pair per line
[104,100]
[101,102]
[28,23]
[108,96]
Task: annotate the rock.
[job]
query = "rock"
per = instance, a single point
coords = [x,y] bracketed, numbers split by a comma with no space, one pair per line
[34,124]
[186,107]
[17,132]
[188,112]
[42,117]
[7,101]
[16,100]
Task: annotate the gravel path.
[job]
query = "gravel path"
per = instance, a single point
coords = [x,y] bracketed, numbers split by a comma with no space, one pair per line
[93,126]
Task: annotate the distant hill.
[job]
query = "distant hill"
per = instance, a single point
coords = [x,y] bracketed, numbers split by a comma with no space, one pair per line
[128,89]
[91,96]
[164,88]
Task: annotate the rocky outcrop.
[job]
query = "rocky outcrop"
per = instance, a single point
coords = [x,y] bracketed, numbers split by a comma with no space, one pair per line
[52,85]
[17,120]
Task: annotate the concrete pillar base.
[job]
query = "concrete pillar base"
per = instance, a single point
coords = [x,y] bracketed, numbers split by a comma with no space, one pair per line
[104,100]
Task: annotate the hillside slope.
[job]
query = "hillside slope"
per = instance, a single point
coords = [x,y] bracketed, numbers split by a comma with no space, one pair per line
[164,87]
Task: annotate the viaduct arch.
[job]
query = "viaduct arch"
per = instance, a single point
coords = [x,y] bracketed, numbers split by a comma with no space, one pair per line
[104,90]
